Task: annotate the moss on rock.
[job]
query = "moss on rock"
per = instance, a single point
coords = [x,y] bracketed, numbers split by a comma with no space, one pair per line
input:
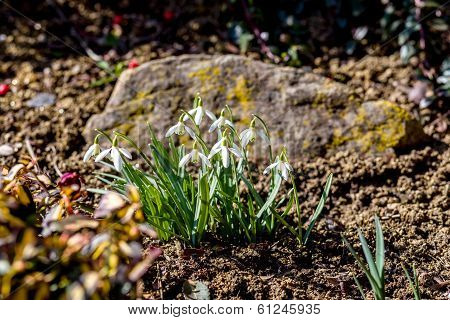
[377,126]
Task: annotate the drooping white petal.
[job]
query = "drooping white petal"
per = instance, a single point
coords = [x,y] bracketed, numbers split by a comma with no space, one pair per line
[246,137]
[288,166]
[236,146]
[190,132]
[244,133]
[235,150]
[263,136]
[218,144]
[172,130]
[102,155]
[116,158]
[229,123]
[273,165]
[204,159]
[210,115]
[191,112]
[185,159]
[126,153]
[215,124]
[225,157]
[198,116]
[89,153]
[284,171]
[213,152]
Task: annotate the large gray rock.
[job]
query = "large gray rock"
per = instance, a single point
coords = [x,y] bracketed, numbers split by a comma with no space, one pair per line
[308,113]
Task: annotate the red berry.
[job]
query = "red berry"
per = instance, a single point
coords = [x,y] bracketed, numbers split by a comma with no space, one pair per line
[4,88]
[133,64]
[168,15]
[117,19]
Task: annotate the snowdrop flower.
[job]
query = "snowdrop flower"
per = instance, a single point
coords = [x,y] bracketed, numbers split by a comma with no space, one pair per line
[222,147]
[116,155]
[281,165]
[93,150]
[219,123]
[194,156]
[249,135]
[179,129]
[198,112]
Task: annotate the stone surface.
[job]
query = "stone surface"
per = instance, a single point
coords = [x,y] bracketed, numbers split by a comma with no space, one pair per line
[308,113]
[42,99]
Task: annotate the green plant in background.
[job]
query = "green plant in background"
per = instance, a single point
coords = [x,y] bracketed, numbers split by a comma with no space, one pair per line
[113,73]
[375,272]
[298,31]
[443,80]
[217,192]
[417,23]
[413,282]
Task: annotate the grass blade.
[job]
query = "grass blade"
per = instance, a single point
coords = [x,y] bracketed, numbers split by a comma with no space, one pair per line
[361,291]
[379,253]
[271,197]
[368,255]
[414,284]
[319,208]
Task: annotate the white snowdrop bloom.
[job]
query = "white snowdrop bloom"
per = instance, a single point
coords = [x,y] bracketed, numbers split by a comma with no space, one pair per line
[93,150]
[249,135]
[194,156]
[219,123]
[221,146]
[282,167]
[198,112]
[115,153]
[179,129]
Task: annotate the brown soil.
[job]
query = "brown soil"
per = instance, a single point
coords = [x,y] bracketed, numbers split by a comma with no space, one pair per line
[409,191]
[410,194]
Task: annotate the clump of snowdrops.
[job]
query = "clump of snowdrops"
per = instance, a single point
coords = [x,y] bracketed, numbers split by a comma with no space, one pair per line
[188,191]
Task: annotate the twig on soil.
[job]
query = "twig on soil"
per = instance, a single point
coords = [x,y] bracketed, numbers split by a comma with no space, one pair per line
[35,164]
[55,166]
[32,154]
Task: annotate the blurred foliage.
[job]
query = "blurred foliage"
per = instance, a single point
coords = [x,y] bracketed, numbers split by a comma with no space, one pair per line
[69,256]
[297,31]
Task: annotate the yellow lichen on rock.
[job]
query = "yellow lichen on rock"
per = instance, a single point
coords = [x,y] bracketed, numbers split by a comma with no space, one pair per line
[208,77]
[378,136]
[242,94]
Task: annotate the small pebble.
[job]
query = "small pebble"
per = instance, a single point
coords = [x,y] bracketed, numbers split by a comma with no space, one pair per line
[6,150]
[42,99]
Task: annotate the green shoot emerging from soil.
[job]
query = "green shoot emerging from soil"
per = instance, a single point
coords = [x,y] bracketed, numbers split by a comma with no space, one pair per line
[413,282]
[187,192]
[375,272]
